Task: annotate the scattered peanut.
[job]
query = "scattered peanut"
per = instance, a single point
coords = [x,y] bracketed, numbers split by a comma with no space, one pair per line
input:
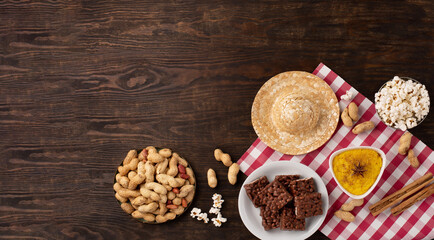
[346,119]
[226,159]
[233,172]
[212,179]
[404,143]
[217,154]
[346,216]
[363,127]
[413,159]
[353,111]
[351,204]
[222,157]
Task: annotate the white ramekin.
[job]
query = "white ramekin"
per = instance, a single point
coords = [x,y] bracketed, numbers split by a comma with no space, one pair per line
[383,165]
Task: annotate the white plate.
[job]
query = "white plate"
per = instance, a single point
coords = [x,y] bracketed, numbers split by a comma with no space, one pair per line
[250,215]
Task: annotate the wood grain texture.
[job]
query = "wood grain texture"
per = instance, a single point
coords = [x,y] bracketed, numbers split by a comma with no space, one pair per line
[82,82]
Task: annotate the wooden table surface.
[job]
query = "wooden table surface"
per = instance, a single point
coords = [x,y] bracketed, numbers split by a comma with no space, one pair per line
[82,82]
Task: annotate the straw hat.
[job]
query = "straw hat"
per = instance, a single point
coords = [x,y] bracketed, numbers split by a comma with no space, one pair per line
[295,112]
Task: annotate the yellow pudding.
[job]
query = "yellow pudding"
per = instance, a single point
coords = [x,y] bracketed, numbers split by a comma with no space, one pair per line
[357,169]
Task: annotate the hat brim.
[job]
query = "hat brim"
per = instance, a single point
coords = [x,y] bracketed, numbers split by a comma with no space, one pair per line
[300,83]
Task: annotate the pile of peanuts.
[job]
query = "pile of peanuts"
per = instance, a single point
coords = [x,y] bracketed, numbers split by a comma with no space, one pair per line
[345,214]
[154,185]
[225,158]
[351,114]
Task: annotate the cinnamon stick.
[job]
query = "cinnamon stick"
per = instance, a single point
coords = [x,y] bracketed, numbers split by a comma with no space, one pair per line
[424,193]
[397,196]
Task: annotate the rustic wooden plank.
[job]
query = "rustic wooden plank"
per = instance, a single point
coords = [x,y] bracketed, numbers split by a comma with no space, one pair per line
[83,82]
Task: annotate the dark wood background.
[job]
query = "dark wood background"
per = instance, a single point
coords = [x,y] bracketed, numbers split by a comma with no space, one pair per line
[82,82]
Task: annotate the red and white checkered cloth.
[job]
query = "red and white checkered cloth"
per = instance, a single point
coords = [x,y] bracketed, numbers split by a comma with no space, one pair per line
[415,223]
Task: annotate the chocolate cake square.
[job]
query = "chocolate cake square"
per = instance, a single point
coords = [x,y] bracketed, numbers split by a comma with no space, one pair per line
[290,204]
[275,196]
[285,180]
[288,221]
[270,219]
[302,186]
[253,188]
[308,205]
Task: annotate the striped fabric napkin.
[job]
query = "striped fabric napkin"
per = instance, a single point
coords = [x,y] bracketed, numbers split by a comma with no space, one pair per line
[415,223]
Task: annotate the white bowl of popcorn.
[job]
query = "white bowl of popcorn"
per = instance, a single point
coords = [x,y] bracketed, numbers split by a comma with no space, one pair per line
[402,103]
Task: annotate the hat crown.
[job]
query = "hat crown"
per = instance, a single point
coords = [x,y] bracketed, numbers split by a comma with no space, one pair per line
[295,113]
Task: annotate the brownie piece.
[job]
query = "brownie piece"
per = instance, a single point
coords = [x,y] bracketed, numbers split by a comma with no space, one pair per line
[270,219]
[274,195]
[290,204]
[289,222]
[253,188]
[302,186]
[308,205]
[285,180]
